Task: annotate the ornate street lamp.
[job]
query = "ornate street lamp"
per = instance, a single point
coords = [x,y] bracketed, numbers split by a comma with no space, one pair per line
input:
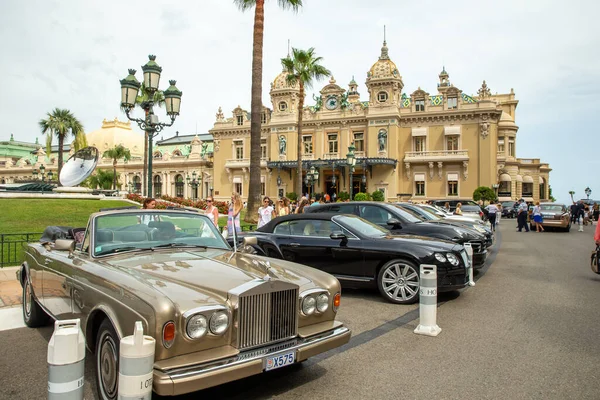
[312,176]
[129,91]
[496,186]
[43,173]
[351,162]
[588,192]
[193,183]
[35,174]
[50,176]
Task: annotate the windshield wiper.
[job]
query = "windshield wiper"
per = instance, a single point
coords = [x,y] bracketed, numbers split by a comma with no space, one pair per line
[118,250]
[199,246]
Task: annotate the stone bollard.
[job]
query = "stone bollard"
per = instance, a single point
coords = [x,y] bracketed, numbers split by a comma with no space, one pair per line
[66,361]
[469,250]
[428,302]
[136,365]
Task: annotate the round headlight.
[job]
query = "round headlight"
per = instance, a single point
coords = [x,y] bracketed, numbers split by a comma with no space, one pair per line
[440,257]
[322,302]
[196,326]
[452,259]
[219,322]
[308,305]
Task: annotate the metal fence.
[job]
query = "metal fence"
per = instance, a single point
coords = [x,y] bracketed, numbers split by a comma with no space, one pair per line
[12,245]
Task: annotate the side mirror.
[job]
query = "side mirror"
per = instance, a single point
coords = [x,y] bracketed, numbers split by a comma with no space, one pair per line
[338,235]
[394,223]
[64,244]
[249,241]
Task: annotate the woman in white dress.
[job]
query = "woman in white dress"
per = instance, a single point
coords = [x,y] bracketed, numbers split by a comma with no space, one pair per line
[212,212]
[265,213]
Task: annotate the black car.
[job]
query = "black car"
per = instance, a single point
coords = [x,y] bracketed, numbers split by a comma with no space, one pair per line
[427,216]
[402,222]
[509,209]
[452,203]
[360,253]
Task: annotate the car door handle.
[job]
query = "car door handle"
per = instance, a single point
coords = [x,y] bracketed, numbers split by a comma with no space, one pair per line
[295,244]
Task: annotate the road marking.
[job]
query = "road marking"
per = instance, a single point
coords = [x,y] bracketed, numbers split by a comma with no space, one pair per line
[11,318]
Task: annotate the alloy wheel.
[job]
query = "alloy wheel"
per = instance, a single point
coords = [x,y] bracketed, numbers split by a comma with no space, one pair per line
[106,366]
[27,299]
[400,282]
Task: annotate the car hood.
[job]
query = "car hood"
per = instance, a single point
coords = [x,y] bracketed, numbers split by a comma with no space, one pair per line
[432,244]
[448,230]
[196,277]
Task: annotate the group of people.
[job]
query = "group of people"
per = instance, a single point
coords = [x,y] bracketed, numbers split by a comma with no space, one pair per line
[584,214]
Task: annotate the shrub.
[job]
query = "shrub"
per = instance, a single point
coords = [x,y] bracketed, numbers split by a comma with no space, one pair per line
[378,196]
[343,196]
[361,196]
[292,196]
[484,193]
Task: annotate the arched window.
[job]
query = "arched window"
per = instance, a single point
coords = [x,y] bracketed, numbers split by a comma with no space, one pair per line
[176,153]
[157,184]
[157,155]
[137,184]
[179,184]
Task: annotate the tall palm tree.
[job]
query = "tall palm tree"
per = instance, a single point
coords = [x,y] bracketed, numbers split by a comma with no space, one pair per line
[158,99]
[256,102]
[61,123]
[303,68]
[102,179]
[116,153]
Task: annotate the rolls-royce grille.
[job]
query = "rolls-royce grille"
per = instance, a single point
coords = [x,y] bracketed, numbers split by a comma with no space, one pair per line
[266,318]
[477,246]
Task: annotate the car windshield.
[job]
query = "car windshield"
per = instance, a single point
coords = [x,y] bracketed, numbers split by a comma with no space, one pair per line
[361,226]
[434,210]
[508,204]
[551,207]
[470,209]
[407,215]
[141,230]
[419,212]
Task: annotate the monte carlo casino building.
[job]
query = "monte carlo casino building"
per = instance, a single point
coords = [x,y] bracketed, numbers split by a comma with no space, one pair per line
[415,146]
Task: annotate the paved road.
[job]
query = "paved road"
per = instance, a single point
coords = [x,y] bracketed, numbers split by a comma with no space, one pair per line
[529,329]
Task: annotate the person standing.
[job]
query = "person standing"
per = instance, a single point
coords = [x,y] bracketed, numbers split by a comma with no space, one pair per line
[492,211]
[596,212]
[537,217]
[265,213]
[233,215]
[597,235]
[148,204]
[458,209]
[283,207]
[522,216]
[212,212]
[499,213]
[303,203]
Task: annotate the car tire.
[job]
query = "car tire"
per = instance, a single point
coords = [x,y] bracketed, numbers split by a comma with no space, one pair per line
[107,361]
[33,314]
[398,282]
[568,228]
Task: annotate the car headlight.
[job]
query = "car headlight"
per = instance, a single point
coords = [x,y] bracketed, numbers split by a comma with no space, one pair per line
[197,326]
[452,259]
[219,322]
[309,305]
[440,257]
[322,302]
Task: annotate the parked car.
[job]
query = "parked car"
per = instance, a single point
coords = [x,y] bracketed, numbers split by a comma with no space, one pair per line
[433,218]
[358,252]
[509,209]
[555,215]
[470,210]
[216,315]
[402,222]
[453,203]
[450,216]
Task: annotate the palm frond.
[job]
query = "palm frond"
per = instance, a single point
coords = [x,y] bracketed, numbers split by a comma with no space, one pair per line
[293,5]
[244,5]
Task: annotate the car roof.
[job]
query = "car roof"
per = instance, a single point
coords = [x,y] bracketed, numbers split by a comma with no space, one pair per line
[325,216]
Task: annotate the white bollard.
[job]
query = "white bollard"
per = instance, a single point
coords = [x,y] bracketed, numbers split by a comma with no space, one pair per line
[136,365]
[428,302]
[580,224]
[66,361]
[469,250]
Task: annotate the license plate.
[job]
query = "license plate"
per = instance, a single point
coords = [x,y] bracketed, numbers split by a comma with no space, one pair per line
[280,360]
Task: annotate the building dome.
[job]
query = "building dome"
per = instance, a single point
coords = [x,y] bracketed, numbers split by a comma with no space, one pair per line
[114,133]
[384,68]
[280,82]
[506,121]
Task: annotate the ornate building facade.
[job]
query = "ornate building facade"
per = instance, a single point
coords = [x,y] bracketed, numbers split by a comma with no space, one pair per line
[414,146]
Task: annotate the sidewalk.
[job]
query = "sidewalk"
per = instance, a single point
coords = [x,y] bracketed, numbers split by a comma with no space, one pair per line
[10,289]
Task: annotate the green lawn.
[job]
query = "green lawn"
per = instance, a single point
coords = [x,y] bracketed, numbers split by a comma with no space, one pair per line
[34,215]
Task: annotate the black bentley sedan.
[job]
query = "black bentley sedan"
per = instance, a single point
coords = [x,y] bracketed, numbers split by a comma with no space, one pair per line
[402,222]
[360,253]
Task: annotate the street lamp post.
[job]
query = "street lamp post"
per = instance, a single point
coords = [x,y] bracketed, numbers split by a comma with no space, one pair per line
[588,192]
[312,176]
[130,87]
[193,183]
[351,162]
[42,174]
[496,186]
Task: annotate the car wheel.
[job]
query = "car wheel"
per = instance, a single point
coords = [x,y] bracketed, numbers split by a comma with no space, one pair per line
[568,228]
[33,315]
[398,282]
[107,361]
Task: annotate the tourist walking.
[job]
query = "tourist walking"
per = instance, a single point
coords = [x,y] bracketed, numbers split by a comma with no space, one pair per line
[492,212]
[596,212]
[148,204]
[499,213]
[537,217]
[265,213]
[458,209]
[303,203]
[283,207]
[233,215]
[522,216]
[211,211]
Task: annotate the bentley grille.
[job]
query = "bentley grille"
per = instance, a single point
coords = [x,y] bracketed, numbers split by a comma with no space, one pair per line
[267,318]
[477,246]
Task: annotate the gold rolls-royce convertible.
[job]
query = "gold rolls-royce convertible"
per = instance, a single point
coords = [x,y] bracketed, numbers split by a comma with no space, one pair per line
[217,315]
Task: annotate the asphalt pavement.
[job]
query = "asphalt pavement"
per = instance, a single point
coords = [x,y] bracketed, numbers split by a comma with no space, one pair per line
[529,329]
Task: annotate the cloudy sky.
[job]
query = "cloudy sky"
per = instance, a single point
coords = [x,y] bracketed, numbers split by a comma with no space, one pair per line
[72,53]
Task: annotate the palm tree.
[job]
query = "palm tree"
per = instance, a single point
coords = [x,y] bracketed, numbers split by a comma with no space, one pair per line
[102,179]
[256,102]
[158,99]
[303,68]
[572,193]
[116,153]
[61,123]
